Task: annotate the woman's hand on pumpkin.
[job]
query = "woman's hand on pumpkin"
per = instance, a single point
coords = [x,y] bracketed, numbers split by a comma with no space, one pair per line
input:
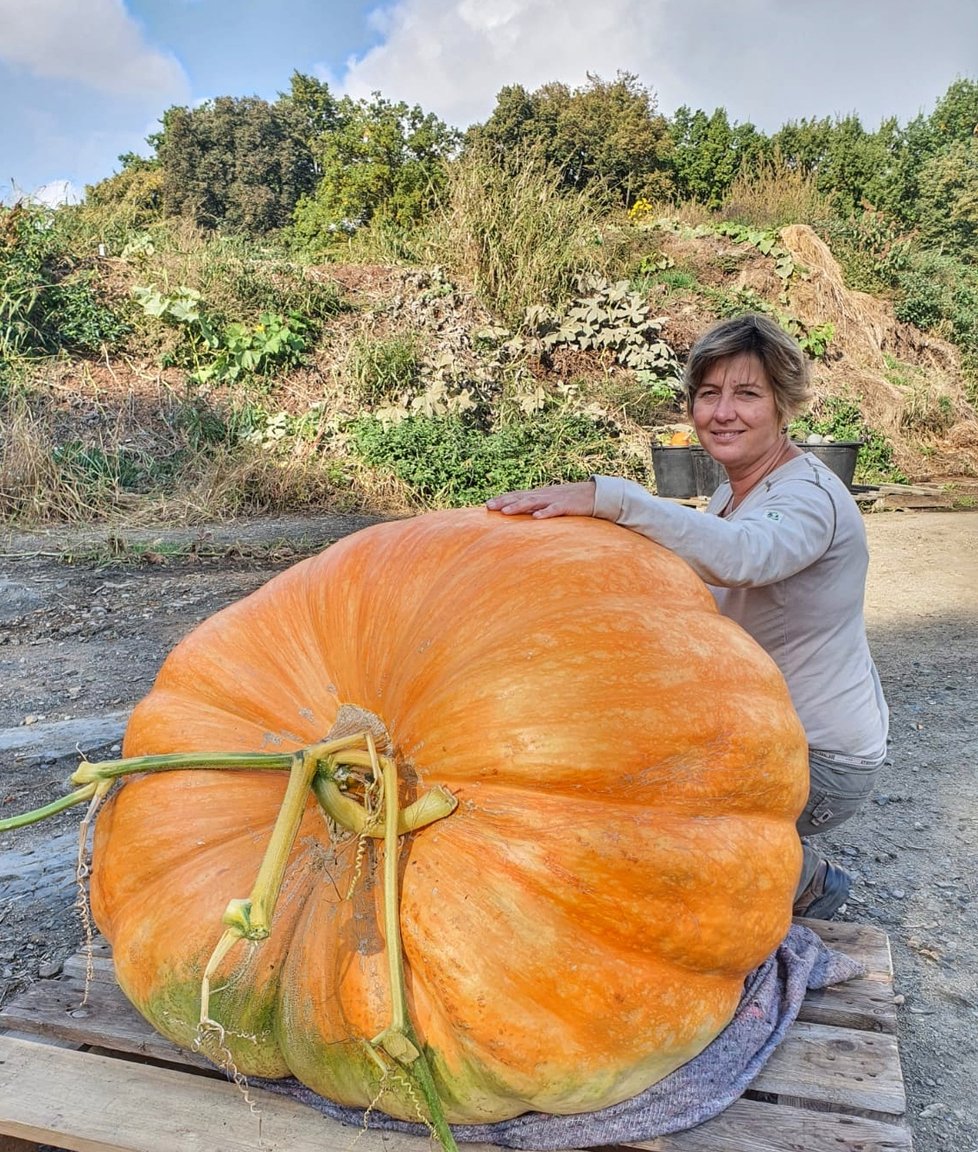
[554,500]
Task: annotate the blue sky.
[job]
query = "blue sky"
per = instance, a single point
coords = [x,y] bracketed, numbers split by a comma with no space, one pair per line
[82,81]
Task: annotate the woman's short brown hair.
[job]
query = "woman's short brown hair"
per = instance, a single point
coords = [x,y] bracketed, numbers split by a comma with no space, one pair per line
[780,354]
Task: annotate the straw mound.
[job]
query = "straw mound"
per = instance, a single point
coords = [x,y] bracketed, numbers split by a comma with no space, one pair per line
[908,384]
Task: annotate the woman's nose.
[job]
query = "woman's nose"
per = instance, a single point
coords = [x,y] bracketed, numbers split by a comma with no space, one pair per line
[725,408]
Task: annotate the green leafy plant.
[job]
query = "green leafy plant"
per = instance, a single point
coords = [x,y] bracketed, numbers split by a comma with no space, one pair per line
[47,303]
[922,301]
[655,262]
[609,318]
[381,370]
[870,247]
[814,339]
[765,240]
[275,341]
[221,355]
[448,461]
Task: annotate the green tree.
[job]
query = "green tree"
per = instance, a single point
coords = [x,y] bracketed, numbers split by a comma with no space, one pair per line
[311,111]
[377,161]
[708,154]
[852,166]
[607,133]
[894,189]
[236,163]
[853,158]
[955,116]
[131,198]
[947,203]
[804,144]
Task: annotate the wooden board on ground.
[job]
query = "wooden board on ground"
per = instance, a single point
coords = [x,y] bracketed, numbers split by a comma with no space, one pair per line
[904,497]
[95,1077]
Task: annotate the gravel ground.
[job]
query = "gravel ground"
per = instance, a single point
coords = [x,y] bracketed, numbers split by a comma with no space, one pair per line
[81,642]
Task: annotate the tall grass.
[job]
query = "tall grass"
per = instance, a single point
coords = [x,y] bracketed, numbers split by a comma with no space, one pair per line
[32,487]
[510,230]
[237,279]
[773,195]
[208,477]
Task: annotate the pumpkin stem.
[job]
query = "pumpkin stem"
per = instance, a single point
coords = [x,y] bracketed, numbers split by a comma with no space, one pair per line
[254,916]
[90,771]
[334,758]
[251,919]
[349,813]
[82,872]
[229,938]
[79,796]
[324,769]
[399,1040]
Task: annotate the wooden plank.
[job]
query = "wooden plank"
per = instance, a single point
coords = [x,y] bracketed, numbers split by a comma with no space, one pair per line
[107,1020]
[863,942]
[88,1103]
[839,1068]
[52,1008]
[753,1126]
[867,1001]
[100,966]
[12,1144]
[864,1003]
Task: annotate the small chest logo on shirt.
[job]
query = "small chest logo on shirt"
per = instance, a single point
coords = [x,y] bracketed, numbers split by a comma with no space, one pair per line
[772,515]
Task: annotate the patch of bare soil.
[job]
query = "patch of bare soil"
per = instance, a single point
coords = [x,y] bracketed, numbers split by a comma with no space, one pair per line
[81,643]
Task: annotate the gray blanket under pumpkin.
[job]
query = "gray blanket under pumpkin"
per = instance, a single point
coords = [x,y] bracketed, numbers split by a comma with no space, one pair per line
[694,1093]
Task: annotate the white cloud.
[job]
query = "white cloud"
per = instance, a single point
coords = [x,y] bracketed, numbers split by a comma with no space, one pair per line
[56,193]
[454,58]
[97,44]
[763,60]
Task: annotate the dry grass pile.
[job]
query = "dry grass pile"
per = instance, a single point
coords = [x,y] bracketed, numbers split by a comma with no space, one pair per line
[775,194]
[908,384]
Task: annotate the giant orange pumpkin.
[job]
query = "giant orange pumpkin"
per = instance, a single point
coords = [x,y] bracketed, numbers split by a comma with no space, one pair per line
[628,769]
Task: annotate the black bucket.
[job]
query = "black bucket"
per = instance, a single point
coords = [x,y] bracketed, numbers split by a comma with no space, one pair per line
[840,456]
[673,471]
[708,474]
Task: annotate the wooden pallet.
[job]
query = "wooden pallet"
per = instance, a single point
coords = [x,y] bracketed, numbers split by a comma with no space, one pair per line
[98,1079]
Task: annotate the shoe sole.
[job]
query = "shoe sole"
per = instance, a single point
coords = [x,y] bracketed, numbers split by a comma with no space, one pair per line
[835,892]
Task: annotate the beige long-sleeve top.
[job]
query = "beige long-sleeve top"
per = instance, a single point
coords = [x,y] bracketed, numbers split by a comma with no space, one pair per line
[789,565]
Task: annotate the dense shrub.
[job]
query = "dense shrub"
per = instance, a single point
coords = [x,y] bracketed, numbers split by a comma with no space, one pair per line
[449,462]
[47,302]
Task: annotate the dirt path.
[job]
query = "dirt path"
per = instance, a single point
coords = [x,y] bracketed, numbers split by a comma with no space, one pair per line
[80,644]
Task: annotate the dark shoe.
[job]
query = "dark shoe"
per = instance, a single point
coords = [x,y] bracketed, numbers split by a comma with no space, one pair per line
[826,894]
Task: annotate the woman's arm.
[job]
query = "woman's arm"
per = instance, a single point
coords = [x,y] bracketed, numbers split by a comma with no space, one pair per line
[787,531]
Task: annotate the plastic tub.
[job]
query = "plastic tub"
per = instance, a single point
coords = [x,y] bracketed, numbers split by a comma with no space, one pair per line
[673,471]
[840,456]
[707,472]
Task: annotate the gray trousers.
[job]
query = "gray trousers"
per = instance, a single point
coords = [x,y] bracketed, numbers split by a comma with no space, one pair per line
[839,787]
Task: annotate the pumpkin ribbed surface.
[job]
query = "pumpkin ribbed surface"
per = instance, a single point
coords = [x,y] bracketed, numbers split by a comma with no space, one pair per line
[628,767]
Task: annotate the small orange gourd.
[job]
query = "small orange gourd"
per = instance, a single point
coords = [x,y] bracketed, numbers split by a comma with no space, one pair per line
[628,769]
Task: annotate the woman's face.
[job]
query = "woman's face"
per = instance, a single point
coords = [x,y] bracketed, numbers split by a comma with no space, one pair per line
[735,415]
